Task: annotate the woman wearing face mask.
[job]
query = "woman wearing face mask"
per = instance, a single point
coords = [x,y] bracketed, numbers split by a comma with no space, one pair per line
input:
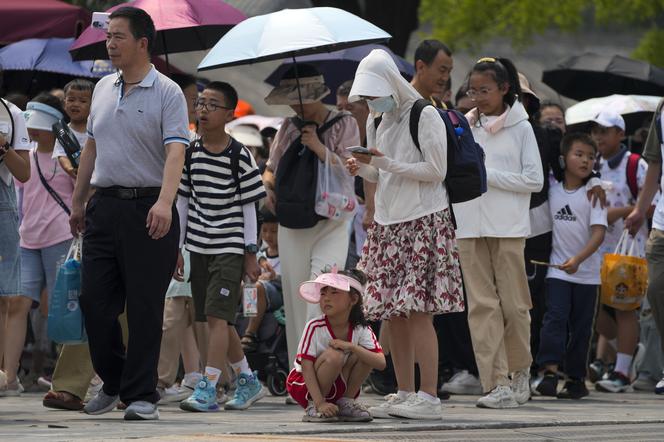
[307,242]
[410,256]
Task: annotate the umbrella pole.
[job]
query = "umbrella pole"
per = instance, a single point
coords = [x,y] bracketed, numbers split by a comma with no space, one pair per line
[297,83]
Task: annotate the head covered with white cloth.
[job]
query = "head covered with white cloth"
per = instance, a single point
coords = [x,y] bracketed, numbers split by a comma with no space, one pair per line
[378,77]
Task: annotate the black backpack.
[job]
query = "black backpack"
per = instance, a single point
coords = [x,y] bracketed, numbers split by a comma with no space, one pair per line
[296,182]
[236,151]
[466,173]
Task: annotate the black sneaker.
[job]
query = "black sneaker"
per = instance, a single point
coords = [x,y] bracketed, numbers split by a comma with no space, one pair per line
[596,370]
[574,389]
[548,386]
[616,383]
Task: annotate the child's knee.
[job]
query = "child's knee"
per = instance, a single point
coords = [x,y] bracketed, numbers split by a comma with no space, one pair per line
[332,357]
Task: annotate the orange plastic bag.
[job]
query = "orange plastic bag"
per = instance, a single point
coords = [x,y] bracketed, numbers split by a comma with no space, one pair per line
[624,276]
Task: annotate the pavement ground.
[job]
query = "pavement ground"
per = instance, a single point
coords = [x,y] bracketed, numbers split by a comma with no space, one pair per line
[601,416]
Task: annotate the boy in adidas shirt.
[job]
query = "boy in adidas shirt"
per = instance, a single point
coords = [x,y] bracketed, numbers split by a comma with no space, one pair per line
[627,173]
[572,280]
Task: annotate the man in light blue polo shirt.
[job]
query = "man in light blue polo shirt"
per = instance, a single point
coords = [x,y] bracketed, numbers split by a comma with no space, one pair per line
[138,131]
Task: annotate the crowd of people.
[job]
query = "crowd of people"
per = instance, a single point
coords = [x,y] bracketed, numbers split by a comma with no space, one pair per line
[196,228]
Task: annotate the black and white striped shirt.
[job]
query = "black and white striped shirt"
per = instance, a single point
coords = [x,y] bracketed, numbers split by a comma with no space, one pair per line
[215,224]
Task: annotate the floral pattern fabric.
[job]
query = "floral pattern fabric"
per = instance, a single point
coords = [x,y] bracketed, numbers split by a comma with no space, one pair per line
[412,266]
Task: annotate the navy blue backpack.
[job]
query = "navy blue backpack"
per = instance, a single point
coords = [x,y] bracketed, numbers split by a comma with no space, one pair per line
[466,174]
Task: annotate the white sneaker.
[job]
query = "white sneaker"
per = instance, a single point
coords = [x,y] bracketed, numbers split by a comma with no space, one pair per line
[95,387]
[521,386]
[3,379]
[176,393]
[500,397]
[15,389]
[383,410]
[416,407]
[191,381]
[462,383]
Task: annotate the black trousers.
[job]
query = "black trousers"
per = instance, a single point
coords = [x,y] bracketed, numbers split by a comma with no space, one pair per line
[538,248]
[122,265]
[455,347]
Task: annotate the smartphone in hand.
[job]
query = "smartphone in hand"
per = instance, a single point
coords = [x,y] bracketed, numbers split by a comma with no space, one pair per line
[359,149]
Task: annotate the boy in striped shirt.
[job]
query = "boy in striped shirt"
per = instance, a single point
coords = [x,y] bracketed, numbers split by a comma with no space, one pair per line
[219,188]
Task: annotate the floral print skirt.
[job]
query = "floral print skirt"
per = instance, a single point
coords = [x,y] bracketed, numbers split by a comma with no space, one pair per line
[412,267]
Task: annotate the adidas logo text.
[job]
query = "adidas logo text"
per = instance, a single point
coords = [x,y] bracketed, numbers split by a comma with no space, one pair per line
[565,214]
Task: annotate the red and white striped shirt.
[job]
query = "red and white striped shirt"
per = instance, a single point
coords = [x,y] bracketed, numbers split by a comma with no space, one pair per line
[318,334]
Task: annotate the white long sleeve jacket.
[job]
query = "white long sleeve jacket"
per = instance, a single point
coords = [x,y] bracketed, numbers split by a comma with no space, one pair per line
[514,171]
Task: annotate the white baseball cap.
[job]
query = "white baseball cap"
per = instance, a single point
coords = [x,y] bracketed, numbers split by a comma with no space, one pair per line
[609,119]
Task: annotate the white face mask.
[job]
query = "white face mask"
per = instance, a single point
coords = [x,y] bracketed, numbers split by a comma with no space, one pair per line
[382,104]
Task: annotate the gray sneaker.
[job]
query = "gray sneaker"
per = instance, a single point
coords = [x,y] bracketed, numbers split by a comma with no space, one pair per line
[141,411]
[101,403]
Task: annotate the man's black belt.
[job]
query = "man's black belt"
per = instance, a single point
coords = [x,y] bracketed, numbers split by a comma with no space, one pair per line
[129,193]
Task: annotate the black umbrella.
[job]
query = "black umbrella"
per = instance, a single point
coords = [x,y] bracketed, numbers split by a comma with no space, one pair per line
[591,75]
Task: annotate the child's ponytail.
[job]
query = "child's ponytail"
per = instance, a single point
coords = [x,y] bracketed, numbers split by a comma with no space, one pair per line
[503,71]
[356,316]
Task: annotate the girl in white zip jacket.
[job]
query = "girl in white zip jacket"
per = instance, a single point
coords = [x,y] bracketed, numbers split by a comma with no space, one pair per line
[491,233]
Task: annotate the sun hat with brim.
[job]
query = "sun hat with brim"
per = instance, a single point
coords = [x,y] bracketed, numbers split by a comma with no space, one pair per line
[609,119]
[247,135]
[312,89]
[310,290]
[41,116]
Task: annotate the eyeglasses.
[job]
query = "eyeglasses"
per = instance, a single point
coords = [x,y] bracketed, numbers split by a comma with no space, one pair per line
[473,94]
[210,107]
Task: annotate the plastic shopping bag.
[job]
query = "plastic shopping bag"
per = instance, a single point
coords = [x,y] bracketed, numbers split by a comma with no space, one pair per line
[65,319]
[624,276]
[335,193]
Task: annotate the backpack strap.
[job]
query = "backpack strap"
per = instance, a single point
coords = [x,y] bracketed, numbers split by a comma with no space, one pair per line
[414,122]
[236,151]
[632,169]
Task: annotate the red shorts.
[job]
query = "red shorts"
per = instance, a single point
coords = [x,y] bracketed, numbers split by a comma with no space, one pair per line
[299,391]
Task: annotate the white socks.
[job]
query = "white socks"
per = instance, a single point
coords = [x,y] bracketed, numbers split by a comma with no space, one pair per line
[242,367]
[403,394]
[213,375]
[623,363]
[427,397]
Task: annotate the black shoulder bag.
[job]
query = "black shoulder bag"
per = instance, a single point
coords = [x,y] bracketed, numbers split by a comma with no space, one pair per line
[52,192]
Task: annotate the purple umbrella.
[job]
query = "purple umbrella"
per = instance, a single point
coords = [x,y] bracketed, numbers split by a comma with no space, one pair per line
[182,25]
[40,64]
[339,66]
[49,55]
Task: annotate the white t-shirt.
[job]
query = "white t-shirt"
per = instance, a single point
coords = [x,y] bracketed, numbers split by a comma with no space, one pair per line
[21,139]
[318,334]
[620,195]
[573,215]
[59,151]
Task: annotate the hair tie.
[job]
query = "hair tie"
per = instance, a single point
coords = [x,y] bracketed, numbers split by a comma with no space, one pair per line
[486,60]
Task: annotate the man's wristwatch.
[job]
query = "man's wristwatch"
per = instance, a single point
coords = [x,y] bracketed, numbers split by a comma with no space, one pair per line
[251,248]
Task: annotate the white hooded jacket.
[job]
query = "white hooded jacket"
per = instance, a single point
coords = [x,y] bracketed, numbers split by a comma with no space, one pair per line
[514,171]
[409,183]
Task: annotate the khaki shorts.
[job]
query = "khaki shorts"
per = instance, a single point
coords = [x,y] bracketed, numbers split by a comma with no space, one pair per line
[216,285]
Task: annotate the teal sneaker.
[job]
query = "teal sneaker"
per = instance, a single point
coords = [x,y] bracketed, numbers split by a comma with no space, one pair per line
[249,390]
[204,398]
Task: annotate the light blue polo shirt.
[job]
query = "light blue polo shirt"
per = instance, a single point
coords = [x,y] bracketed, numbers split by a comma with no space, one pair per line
[131,131]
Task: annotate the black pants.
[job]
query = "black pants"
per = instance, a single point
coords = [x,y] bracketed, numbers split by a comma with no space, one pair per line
[537,248]
[122,265]
[455,347]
